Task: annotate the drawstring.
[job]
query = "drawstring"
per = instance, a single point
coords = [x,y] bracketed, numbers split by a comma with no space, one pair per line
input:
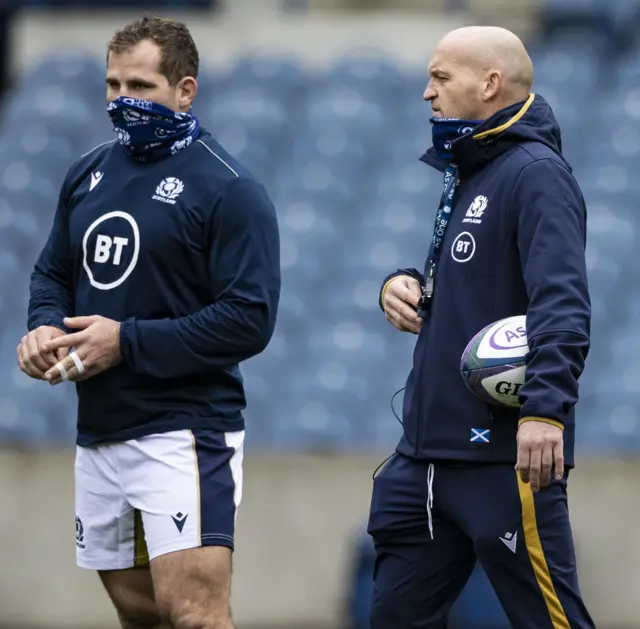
[430,474]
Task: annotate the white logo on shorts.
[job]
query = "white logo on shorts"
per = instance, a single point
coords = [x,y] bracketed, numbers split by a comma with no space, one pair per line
[463,247]
[79,533]
[109,253]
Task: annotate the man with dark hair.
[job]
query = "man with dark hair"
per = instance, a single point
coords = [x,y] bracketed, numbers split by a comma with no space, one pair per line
[509,239]
[160,275]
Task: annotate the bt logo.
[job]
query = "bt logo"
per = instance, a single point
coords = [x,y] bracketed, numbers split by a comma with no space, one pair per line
[463,247]
[109,259]
[103,248]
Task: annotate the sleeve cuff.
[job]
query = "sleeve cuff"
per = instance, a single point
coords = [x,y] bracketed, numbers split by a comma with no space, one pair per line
[399,273]
[127,331]
[544,420]
[53,323]
[385,286]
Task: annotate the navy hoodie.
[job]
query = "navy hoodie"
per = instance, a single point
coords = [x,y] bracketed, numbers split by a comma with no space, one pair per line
[185,253]
[515,245]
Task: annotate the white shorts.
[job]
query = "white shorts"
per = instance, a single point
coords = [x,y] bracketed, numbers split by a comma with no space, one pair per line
[138,499]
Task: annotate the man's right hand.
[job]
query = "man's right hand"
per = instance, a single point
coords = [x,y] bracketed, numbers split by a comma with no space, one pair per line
[32,360]
[399,301]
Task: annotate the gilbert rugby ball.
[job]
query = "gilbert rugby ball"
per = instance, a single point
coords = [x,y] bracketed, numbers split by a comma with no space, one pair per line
[493,363]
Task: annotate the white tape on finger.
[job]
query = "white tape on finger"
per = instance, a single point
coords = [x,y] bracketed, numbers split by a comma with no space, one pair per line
[76,361]
[62,370]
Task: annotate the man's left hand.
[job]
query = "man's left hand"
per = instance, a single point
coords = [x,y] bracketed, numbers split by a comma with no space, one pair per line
[97,345]
[540,447]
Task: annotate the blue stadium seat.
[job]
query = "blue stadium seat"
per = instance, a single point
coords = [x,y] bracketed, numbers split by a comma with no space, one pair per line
[410,176]
[321,179]
[10,263]
[567,66]
[113,4]
[335,143]
[22,427]
[407,145]
[615,142]
[407,218]
[374,75]
[72,67]
[615,427]
[52,103]
[578,21]
[627,70]
[346,105]
[614,234]
[36,137]
[23,234]
[309,240]
[603,271]
[248,105]
[616,178]
[22,422]
[316,418]
[262,390]
[278,75]
[623,107]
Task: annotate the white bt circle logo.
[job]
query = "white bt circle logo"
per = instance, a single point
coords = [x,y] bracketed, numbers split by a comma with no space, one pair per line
[463,247]
[110,250]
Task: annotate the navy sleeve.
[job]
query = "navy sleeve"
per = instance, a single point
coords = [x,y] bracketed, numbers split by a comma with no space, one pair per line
[244,267]
[51,289]
[551,229]
[410,272]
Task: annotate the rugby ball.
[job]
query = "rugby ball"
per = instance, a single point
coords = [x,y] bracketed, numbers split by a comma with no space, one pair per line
[493,363]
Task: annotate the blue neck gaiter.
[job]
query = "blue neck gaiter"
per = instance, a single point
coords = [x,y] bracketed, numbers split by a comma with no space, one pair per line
[445,130]
[150,132]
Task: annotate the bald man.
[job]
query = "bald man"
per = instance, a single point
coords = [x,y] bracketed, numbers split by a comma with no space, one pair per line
[471,480]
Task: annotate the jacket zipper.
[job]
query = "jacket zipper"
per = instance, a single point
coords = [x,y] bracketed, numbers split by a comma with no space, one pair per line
[418,444]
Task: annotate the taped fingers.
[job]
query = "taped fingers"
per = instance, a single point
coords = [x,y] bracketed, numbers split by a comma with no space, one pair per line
[76,361]
[69,368]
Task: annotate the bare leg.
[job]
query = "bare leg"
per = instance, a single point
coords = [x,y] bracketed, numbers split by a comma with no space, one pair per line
[131,592]
[193,588]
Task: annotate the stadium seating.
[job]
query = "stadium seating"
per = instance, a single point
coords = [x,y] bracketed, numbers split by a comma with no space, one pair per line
[111,4]
[338,152]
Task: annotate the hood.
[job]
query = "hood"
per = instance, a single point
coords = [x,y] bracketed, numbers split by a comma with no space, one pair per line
[527,121]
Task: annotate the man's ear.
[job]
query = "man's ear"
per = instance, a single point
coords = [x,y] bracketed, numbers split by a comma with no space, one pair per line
[187,89]
[492,85]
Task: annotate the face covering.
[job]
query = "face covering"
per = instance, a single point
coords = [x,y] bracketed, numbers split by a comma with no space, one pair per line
[149,131]
[446,130]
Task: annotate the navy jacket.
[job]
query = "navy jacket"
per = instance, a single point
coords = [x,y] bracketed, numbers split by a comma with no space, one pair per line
[185,253]
[515,245]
